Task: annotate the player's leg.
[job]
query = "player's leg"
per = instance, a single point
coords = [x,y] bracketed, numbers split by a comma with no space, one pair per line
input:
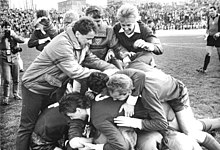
[209,49]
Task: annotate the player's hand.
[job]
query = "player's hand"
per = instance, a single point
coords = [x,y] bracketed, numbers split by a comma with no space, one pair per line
[128,122]
[78,142]
[128,109]
[109,55]
[126,54]
[216,36]
[143,44]
[92,146]
[90,95]
[100,97]
[47,39]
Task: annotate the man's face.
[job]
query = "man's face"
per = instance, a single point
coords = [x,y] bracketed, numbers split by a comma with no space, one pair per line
[212,12]
[128,25]
[118,96]
[98,22]
[85,39]
[79,114]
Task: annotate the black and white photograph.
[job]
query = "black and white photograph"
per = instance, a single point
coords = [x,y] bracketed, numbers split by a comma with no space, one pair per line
[109,75]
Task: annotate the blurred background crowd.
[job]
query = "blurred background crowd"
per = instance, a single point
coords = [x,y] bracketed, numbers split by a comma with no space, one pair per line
[165,16]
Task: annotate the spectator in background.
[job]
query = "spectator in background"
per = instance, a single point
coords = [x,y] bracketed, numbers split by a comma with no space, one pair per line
[136,37]
[69,18]
[20,19]
[9,56]
[213,39]
[66,57]
[44,30]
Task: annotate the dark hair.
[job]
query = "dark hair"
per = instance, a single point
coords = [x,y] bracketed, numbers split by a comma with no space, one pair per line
[45,21]
[149,21]
[97,81]
[41,13]
[94,11]
[6,24]
[68,103]
[213,7]
[84,25]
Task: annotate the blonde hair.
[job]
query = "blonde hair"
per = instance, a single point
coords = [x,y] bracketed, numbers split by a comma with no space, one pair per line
[127,11]
[70,16]
[120,83]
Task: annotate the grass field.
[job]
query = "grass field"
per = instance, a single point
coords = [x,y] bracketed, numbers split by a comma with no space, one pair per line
[183,54]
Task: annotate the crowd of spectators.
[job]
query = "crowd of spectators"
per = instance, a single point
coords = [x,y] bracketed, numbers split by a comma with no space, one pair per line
[171,16]
[165,16]
[21,20]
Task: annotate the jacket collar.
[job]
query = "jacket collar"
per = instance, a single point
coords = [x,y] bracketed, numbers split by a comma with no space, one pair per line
[73,38]
[79,51]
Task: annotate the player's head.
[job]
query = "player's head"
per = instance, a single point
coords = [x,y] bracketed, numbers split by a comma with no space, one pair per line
[119,86]
[97,81]
[96,13]
[69,18]
[212,11]
[128,15]
[74,105]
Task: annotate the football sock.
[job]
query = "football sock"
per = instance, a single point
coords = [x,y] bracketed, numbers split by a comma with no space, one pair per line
[210,124]
[206,62]
[210,143]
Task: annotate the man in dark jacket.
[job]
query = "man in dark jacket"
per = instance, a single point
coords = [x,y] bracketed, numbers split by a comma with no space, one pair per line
[44,31]
[9,55]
